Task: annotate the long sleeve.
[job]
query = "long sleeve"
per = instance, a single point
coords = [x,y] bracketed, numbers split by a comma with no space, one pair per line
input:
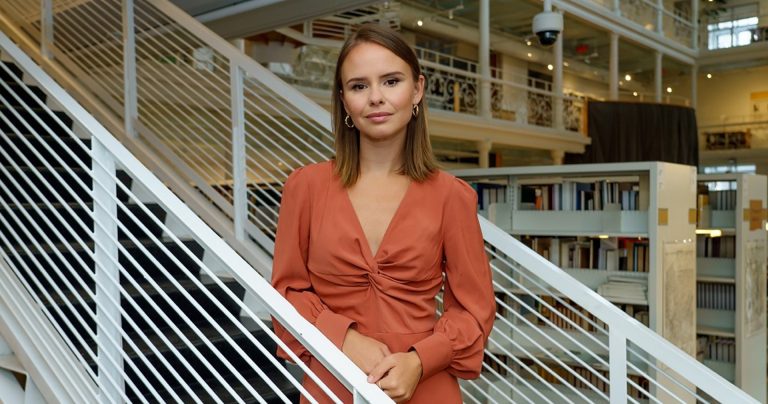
[460,334]
[290,275]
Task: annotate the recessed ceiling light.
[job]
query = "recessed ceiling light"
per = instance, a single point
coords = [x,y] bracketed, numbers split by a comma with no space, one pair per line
[565,64]
[530,55]
[550,67]
[528,42]
[634,93]
[709,75]
[628,77]
[420,23]
[621,83]
[669,89]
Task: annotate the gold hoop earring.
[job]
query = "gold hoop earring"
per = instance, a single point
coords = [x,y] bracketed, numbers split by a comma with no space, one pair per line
[348,122]
[415,110]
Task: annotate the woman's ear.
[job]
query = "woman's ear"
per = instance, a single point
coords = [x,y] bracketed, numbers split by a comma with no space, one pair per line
[418,91]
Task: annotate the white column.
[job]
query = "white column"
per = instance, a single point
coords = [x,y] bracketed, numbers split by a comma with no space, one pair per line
[107,274]
[484,58]
[558,156]
[484,151]
[660,16]
[557,85]
[239,175]
[695,22]
[130,102]
[46,29]
[613,67]
[657,78]
[694,85]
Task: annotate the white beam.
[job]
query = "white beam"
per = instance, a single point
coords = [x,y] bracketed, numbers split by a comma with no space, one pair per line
[484,58]
[657,78]
[613,67]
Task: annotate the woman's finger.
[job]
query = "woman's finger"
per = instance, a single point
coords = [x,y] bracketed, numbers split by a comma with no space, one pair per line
[381,369]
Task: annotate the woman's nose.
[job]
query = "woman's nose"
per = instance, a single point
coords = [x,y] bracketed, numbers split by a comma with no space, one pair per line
[375,96]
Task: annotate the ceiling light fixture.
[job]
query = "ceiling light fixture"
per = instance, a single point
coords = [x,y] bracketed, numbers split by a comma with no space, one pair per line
[709,75]
[634,93]
[420,22]
[530,55]
[669,90]
[550,67]
[628,77]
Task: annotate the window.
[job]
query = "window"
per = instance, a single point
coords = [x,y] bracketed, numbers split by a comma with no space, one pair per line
[733,27]
[733,168]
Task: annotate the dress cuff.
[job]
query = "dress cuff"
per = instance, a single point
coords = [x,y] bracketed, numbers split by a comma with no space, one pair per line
[333,326]
[435,353]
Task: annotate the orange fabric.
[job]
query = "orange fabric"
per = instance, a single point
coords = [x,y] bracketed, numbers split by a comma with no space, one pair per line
[323,266]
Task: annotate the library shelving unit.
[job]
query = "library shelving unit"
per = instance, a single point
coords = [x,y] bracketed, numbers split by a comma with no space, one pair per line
[626,230]
[731,278]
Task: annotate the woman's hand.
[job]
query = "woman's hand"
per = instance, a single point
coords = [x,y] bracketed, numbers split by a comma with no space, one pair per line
[398,375]
[364,351]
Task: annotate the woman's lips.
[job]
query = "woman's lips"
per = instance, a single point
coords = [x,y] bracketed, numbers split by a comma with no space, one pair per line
[378,117]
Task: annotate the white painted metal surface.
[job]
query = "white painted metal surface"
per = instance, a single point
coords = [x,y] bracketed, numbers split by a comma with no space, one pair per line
[321,348]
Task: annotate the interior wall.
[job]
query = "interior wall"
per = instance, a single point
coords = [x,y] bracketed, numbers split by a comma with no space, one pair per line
[727,94]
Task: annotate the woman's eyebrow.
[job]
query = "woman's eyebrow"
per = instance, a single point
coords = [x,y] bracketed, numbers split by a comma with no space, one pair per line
[390,74]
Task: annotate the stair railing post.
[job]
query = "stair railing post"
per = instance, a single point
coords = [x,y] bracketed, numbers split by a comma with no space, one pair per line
[129,69]
[239,176]
[46,29]
[108,337]
[617,362]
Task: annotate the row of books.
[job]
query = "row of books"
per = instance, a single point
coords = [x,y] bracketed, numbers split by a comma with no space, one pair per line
[716,247]
[569,195]
[488,193]
[709,347]
[585,378]
[572,317]
[716,296]
[612,254]
[716,200]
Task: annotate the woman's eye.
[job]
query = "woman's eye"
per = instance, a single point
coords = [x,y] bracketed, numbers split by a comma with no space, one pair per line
[391,82]
[358,86]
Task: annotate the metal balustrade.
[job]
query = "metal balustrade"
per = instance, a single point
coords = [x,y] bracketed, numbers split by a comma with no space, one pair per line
[554,340]
[147,303]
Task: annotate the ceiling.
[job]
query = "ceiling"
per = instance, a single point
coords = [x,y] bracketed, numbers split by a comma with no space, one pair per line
[581,41]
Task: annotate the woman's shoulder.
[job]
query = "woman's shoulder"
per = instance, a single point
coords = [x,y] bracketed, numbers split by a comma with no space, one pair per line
[310,173]
[452,186]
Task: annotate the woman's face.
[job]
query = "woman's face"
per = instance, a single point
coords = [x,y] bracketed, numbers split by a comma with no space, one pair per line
[379,91]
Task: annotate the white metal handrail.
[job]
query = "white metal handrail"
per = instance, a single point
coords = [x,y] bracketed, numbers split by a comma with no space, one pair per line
[196,109]
[59,295]
[618,344]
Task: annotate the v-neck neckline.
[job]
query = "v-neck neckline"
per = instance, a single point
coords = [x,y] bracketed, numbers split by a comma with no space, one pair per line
[367,248]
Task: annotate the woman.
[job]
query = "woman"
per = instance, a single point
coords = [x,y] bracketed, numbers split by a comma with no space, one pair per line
[363,241]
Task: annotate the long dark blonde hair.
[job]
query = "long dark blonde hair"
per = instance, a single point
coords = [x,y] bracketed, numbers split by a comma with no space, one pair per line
[418,160]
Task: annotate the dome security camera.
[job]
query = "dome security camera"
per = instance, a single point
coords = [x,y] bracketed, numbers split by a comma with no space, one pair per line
[547,25]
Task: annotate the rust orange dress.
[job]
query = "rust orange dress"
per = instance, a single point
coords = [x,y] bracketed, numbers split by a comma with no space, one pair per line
[323,265]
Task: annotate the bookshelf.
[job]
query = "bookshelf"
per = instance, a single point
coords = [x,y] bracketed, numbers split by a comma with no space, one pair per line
[625,230]
[731,278]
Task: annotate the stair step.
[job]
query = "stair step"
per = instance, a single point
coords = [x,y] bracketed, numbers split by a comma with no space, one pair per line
[27,143]
[86,274]
[7,98]
[84,214]
[16,72]
[16,124]
[68,175]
